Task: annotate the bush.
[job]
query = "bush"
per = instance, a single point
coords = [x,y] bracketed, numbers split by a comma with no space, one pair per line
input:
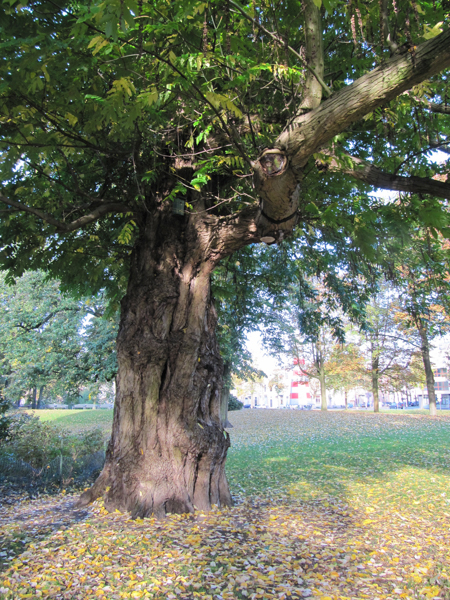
[234,403]
[4,420]
[34,442]
[35,449]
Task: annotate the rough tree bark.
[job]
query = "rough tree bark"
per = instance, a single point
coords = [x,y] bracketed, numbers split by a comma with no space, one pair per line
[168,446]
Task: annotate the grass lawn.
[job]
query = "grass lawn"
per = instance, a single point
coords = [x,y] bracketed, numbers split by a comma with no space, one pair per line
[342,505]
[78,420]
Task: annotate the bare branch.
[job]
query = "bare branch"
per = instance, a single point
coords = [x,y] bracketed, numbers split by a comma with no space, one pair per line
[438,108]
[29,327]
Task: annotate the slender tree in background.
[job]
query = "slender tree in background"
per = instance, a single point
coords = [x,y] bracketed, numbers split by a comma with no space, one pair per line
[389,349]
[346,367]
[309,329]
[421,274]
[143,143]
[319,351]
[241,286]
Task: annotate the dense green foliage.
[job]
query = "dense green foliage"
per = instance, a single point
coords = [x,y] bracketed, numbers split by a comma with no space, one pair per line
[50,344]
[100,99]
[97,99]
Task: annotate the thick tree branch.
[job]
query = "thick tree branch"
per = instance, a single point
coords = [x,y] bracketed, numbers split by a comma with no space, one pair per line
[396,75]
[438,108]
[94,215]
[312,90]
[374,176]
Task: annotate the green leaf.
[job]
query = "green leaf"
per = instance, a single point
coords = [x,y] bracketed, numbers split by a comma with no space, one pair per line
[431,32]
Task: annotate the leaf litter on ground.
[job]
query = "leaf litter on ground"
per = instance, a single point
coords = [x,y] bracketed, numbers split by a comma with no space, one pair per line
[333,506]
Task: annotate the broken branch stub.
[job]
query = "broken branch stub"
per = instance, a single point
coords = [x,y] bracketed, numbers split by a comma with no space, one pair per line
[273,162]
[279,190]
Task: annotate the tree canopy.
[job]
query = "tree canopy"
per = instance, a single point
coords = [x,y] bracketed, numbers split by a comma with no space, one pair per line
[100,101]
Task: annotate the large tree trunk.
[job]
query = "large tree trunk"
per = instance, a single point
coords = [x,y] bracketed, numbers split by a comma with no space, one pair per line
[168,446]
[425,349]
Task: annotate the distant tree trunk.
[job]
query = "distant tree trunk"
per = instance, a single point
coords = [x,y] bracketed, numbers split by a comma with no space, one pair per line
[168,446]
[375,381]
[41,396]
[323,390]
[225,396]
[345,399]
[425,349]
[33,398]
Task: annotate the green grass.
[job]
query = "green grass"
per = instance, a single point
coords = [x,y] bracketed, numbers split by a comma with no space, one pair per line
[351,455]
[78,420]
[310,454]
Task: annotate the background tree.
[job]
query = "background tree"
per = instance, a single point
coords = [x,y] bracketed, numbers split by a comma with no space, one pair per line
[346,367]
[421,275]
[127,134]
[389,349]
[241,287]
[310,327]
[51,344]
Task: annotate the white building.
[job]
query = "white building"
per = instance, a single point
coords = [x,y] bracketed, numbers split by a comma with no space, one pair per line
[286,388]
[441,388]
